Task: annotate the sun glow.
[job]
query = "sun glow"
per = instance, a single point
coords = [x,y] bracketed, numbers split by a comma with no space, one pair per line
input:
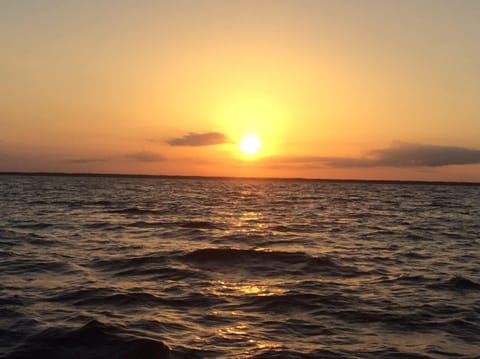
[250,144]
[255,112]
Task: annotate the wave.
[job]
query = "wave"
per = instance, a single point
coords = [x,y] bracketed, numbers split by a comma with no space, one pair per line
[327,354]
[264,262]
[289,354]
[105,203]
[294,302]
[162,273]
[183,224]
[121,263]
[199,225]
[11,301]
[33,266]
[33,225]
[39,240]
[8,234]
[405,279]
[9,237]
[457,283]
[391,353]
[154,266]
[137,211]
[416,255]
[292,228]
[74,295]
[107,226]
[235,256]
[120,299]
[92,341]
[108,297]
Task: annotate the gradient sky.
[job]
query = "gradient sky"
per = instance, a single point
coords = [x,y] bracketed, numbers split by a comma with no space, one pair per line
[334,89]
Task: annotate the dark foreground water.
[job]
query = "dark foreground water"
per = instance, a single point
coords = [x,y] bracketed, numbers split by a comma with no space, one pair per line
[115,267]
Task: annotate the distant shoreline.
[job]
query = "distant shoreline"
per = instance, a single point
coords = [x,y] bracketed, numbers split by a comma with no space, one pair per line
[123,175]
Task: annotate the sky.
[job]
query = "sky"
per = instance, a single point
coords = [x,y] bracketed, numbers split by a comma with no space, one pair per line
[332,89]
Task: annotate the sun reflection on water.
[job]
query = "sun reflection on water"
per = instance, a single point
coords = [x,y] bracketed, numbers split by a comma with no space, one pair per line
[237,332]
[223,288]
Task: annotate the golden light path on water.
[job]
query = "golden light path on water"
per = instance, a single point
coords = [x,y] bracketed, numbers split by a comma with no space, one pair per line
[223,288]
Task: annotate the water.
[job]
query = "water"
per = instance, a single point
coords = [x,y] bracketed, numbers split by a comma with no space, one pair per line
[119,267]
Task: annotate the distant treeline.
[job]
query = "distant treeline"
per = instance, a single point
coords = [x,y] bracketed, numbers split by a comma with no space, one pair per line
[120,175]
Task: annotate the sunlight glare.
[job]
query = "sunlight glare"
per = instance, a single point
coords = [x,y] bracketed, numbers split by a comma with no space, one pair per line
[250,144]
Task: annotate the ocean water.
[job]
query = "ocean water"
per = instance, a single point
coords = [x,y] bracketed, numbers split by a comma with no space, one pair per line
[130,267]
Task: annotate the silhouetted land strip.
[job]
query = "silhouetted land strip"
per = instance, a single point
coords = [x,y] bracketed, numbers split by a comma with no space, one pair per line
[120,175]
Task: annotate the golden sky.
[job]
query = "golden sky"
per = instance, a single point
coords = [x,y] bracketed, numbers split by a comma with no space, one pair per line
[333,89]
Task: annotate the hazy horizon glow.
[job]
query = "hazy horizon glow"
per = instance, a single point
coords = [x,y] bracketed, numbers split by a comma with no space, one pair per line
[371,90]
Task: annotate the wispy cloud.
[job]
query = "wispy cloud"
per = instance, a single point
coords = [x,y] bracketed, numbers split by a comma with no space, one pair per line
[141,156]
[145,156]
[88,160]
[199,139]
[401,156]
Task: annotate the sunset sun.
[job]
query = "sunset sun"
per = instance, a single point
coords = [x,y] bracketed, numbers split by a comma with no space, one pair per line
[250,144]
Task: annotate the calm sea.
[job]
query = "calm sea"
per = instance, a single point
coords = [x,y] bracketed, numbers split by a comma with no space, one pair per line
[125,267]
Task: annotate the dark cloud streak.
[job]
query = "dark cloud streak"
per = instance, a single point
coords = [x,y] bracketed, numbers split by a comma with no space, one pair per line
[199,139]
[141,156]
[88,160]
[145,156]
[400,156]
[415,155]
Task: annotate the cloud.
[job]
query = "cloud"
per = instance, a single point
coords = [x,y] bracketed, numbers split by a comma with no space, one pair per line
[142,156]
[88,160]
[401,156]
[199,139]
[145,156]
[414,155]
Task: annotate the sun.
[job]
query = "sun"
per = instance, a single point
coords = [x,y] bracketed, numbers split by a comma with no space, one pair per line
[250,144]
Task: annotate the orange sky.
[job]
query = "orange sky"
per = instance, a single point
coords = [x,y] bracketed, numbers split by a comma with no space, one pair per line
[334,89]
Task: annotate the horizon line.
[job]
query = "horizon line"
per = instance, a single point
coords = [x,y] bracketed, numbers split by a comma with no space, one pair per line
[139,175]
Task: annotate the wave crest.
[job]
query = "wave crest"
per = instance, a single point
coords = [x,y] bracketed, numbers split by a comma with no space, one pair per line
[94,340]
[457,283]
